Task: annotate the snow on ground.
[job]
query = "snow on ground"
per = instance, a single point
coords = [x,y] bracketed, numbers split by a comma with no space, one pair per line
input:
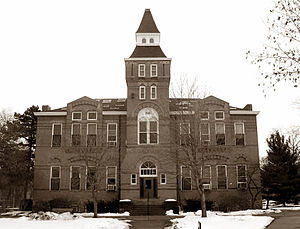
[90,214]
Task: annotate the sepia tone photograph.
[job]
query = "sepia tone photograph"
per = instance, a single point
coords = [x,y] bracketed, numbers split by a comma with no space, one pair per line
[150,114]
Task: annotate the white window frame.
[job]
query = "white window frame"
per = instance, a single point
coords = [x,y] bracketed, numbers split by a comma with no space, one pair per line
[87,132]
[72,132]
[142,87]
[131,179]
[226,173]
[237,176]
[151,40]
[236,123]
[107,132]
[208,124]
[155,94]
[51,167]
[187,177]
[73,119]
[139,70]
[219,118]
[161,178]
[86,175]
[210,180]
[70,186]
[91,119]
[153,65]
[207,115]
[115,167]
[148,169]
[53,133]
[148,120]
[144,39]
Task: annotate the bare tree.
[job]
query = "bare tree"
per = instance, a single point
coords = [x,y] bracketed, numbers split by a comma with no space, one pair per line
[254,183]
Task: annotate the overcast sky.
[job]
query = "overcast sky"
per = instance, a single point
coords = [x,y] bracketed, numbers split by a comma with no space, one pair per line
[53,52]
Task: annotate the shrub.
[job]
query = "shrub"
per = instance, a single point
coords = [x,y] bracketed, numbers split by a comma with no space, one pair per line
[60,203]
[193,205]
[41,206]
[232,203]
[104,207]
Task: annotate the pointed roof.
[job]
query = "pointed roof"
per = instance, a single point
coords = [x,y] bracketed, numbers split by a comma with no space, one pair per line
[147,51]
[147,24]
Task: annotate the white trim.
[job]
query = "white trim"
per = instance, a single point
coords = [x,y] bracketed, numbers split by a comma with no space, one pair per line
[207,115]
[112,123]
[242,133]
[164,178]
[53,133]
[139,70]
[92,112]
[153,65]
[132,178]
[237,175]
[87,132]
[208,126]
[115,167]
[187,177]
[73,127]
[71,169]
[51,176]
[182,112]
[76,119]
[210,180]
[149,175]
[216,127]
[148,58]
[142,87]
[219,112]
[240,112]
[114,112]
[43,113]
[225,175]
[153,86]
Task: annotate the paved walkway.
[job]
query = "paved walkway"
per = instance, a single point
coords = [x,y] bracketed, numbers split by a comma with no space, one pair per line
[147,222]
[285,220]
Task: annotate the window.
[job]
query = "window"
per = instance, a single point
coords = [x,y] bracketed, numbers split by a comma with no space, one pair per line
[55,178]
[90,177]
[219,115]
[153,92]
[222,176]
[112,134]
[184,129]
[92,115]
[133,179]
[151,40]
[207,177]
[76,116]
[142,70]
[142,92]
[148,169]
[144,40]
[76,131]
[220,133]
[91,134]
[204,115]
[186,178]
[148,126]
[153,70]
[111,178]
[75,178]
[56,135]
[205,133]
[163,178]
[241,177]
[239,134]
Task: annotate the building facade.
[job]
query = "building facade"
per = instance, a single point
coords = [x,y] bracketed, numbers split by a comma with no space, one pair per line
[135,147]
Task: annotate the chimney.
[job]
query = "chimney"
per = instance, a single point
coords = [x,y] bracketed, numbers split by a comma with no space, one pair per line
[248,107]
[46,108]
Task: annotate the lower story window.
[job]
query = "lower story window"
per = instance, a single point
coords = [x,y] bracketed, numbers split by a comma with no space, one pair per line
[186,178]
[111,178]
[222,176]
[241,177]
[163,178]
[90,177]
[75,178]
[133,180]
[55,178]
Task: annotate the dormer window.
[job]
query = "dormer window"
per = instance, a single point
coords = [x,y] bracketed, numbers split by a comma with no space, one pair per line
[144,41]
[151,40]
[142,70]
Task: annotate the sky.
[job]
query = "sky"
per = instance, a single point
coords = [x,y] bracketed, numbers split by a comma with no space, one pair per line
[54,52]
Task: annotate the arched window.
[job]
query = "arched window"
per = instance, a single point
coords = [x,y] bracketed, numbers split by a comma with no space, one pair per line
[148,169]
[142,92]
[151,40]
[148,126]
[153,92]
[144,40]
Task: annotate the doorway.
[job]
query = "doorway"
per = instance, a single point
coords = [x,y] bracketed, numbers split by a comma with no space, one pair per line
[148,187]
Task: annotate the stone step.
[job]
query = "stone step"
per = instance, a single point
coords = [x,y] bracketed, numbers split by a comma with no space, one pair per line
[147,210]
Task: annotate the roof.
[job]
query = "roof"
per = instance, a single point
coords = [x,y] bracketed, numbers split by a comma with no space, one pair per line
[147,24]
[147,51]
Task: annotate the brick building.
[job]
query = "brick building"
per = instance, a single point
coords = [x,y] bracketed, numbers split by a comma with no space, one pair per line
[138,141]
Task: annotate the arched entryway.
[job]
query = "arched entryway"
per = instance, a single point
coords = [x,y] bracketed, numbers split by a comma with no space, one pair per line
[148,180]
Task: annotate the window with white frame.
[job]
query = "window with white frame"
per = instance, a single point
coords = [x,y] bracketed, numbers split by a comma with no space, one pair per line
[184,132]
[186,178]
[153,70]
[148,126]
[222,176]
[90,177]
[133,179]
[54,177]
[239,134]
[148,169]
[207,177]
[92,115]
[153,92]
[111,178]
[91,134]
[144,40]
[142,92]
[163,178]
[112,134]
[204,115]
[76,134]
[241,176]
[205,133]
[56,134]
[220,133]
[75,178]
[151,40]
[141,70]
[76,116]
[219,115]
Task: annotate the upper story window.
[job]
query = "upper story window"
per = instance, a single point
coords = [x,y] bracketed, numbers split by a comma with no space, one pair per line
[148,169]
[205,133]
[142,92]
[219,115]
[239,134]
[76,116]
[153,94]
[112,134]
[141,68]
[76,134]
[241,176]
[204,115]
[92,115]
[222,176]
[91,134]
[186,178]
[151,40]
[56,134]
[220,133]
[153,70]
[148,126]
[144,40]
[75,178]
[54,177]
[184,131]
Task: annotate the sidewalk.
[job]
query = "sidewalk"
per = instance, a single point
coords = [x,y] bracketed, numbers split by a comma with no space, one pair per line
[149,222]
[286,220]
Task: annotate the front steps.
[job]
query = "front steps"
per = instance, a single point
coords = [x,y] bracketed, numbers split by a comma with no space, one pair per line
[139,210]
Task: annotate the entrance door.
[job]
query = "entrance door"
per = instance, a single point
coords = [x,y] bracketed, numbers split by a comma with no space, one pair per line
[148,187]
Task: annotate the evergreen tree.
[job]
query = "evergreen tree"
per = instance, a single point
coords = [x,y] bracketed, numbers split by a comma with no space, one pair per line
[280,172]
